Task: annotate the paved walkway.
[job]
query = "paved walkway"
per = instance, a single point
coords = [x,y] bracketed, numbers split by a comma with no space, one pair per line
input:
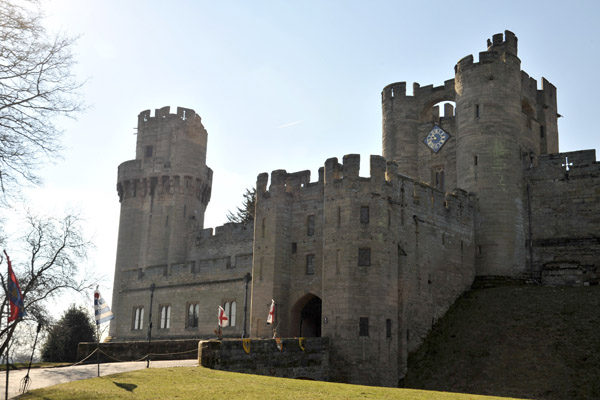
[42,377]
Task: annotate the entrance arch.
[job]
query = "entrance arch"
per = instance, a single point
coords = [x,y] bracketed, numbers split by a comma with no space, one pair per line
[306,316]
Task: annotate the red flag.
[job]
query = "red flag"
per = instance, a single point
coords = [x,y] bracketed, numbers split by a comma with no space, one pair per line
[271,317]
[223,320]
[17,309]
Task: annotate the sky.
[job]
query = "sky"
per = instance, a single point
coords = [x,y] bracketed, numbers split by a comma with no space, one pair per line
[283,84]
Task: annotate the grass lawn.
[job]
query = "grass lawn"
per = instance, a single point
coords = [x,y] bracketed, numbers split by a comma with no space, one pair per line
[203,383]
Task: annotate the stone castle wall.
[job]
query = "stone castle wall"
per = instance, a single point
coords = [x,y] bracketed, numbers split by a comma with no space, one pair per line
[565,218]
[213,275]
[311,361]
[402,286]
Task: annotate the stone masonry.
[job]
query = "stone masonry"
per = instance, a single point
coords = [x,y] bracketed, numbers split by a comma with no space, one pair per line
[367,262]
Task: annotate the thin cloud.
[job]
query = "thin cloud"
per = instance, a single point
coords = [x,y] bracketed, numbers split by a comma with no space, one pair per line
[290,124]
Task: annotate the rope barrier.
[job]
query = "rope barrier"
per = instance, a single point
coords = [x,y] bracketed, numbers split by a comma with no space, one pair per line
[120,360]
[145,357]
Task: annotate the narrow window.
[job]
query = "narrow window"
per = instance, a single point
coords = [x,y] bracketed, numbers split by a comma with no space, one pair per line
[184,211]
[479,249]
[153,184]
[294,247]
[364,257]
[165,317]
[337,261]
[339,216]
[230,312]
[364,214]
[138,317]
[148,152]
[310,264]
[310,225]
[363,326]
[227,307]
[388,328]
[263,228]
[476,160]
[476,110]
[542,132]
[193,310]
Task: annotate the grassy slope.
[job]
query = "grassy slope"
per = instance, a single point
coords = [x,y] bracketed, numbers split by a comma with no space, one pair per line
[521,341]
[205,384]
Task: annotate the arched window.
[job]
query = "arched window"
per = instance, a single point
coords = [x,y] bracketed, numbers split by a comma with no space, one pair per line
[230,311]
[138,317]
[165,317]
[193,312]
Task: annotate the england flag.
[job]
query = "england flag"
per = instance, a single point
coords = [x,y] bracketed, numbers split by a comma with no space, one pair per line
[271,317]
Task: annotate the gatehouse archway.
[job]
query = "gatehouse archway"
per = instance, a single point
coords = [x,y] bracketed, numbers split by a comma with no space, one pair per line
[306,316]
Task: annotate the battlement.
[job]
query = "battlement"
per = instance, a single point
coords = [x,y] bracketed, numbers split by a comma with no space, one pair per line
[397,90]
[506,42]
[284,182]
[160,114]
[545,95]
[229,230]
[383,178]
[498,48]
[131,183]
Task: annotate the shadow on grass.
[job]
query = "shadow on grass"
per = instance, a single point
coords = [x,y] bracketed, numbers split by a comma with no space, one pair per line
[127,386]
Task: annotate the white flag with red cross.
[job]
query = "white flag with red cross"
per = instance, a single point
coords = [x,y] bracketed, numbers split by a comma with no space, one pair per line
[271,317]
[223,320]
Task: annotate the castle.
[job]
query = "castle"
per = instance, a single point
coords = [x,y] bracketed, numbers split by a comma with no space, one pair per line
[369,262]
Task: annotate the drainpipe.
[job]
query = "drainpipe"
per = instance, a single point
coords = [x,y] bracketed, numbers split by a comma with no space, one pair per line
[150,324]
[247,279]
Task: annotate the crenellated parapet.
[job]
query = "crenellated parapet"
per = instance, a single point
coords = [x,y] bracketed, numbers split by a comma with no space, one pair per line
[283,182]
[185,116]
[131,185]
[228,232]
[502,47]
[394,97]
[383,180]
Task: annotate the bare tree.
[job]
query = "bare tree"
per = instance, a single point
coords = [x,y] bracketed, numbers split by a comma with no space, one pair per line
[37,85]
[54,250]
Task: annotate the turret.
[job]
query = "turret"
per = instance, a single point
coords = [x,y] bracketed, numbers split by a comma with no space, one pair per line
[489,151]
[163,192]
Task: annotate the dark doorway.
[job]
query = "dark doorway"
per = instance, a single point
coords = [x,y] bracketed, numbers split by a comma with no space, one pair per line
[310,318]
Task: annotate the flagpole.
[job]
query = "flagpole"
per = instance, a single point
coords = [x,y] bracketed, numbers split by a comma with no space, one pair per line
[98,348]
[102,314]
[7,345]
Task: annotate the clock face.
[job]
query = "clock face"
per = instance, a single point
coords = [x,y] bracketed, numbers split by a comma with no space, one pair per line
[436,139]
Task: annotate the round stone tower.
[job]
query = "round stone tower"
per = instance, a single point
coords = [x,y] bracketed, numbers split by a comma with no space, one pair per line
[163,193]
[489,150]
